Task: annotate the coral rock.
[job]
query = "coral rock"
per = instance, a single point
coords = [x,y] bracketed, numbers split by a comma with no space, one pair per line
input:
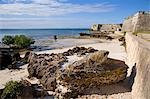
[92,71]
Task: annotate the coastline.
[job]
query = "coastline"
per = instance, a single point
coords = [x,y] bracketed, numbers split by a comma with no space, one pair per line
[116,52]
[62,42]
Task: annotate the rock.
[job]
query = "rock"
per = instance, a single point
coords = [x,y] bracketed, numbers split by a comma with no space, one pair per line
[32,70]
[109,38]
[90,61]
[44,67]
[76,49]
[50,83]
[15,61]
[92,71]
[66,54]
[122,39]
[79,51]
[16,57]
[31,91]
[26,57]
[5,59]
[91,50]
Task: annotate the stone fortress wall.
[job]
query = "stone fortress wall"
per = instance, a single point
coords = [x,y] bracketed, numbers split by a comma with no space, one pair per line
[135,23]
[106,27]
[139,22]
[138,55]
[138,51]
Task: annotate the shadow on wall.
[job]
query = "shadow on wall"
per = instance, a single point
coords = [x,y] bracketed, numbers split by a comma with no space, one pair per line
[132,76]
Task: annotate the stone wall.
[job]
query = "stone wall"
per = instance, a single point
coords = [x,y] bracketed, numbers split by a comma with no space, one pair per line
[137,23]
[138,53]
[106,27]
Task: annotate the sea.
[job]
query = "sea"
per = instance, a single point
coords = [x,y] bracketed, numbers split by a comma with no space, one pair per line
[41,33]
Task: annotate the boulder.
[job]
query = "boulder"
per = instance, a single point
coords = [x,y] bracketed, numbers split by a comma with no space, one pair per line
[44,67]
[5,60]
[92,71]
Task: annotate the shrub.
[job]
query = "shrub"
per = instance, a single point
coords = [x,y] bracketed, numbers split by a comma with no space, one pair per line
[12,90]
[8,40]
[22,41]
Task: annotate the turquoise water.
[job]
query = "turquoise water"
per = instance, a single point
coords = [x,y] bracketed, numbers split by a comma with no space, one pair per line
[42,33]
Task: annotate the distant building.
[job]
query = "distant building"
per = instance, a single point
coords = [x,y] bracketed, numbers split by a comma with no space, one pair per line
[138,22]
[109,28]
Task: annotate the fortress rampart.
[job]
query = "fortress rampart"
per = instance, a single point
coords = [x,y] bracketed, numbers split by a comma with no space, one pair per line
[106,27]
[137,23]
[138,54]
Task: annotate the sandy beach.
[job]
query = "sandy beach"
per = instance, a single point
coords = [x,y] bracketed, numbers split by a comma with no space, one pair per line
[49,44]
[74,49]
[116,52]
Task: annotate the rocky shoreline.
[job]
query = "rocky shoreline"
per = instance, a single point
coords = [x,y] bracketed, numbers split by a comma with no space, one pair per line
[93,70]
[115,51]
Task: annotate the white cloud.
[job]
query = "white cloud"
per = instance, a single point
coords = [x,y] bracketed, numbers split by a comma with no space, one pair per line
[51,8]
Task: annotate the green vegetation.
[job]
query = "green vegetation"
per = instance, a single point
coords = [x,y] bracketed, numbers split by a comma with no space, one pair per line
[20,41]
[12,90]
[8,40]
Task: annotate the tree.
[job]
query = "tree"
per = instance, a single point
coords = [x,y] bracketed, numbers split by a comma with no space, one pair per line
[22,41]
[8,40]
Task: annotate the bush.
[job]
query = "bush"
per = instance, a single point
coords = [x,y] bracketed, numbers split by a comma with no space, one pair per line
[8,40]
[12,90]
[20,41]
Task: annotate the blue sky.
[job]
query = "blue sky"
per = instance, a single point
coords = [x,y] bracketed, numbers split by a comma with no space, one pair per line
[66,13]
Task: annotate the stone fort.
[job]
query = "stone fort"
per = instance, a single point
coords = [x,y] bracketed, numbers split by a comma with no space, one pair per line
[106,27]
[138,22]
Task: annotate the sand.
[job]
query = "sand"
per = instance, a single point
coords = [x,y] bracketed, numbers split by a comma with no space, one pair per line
[116,52]
[49,44]
[16,75]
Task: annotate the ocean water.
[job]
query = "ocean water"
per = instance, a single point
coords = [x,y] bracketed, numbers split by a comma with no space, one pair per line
[41,33]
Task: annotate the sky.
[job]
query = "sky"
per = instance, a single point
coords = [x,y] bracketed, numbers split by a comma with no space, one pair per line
[66,13]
